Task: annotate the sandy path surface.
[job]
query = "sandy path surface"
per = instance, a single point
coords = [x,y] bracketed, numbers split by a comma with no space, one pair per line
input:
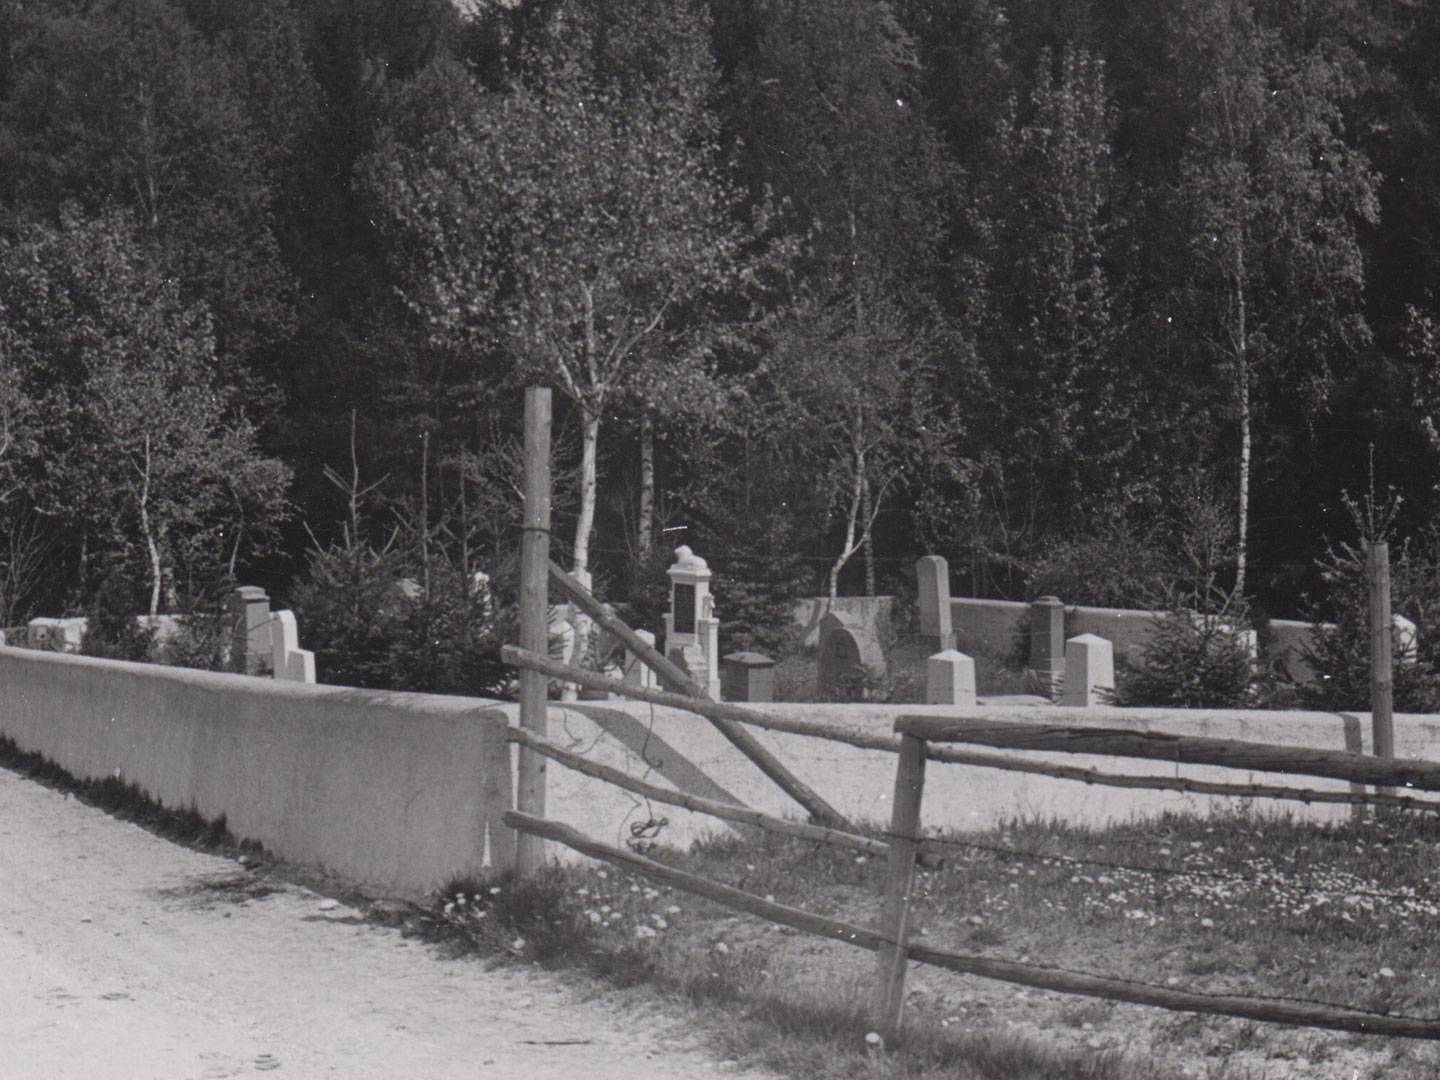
[123,956]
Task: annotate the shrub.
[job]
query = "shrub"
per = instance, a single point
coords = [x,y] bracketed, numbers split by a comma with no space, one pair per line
[345,604]
[111,629]
[1119,565]
[371,625]
[1338,651]
[1192,661]
[205,631]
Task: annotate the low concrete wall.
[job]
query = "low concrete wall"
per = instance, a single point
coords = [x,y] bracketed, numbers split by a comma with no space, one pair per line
[988,627]
[395,792]
[992,627]
[860,783]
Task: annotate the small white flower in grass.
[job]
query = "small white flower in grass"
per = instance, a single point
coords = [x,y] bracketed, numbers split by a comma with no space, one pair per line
[874,1042]
[660,923]
[495,890]
[673,909]
[644,932]
[1387,973]
[769,898]
[722,948]
[602,875]
[593,916]
[1207,922]
[518,944]
[450,908]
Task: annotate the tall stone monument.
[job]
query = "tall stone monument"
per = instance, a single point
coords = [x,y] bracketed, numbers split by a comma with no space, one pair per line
[932,574]
[692,632]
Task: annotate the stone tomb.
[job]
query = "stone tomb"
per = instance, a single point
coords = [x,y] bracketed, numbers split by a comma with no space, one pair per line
[848,651]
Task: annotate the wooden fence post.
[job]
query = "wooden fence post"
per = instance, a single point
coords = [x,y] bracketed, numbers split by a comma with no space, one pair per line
[534,621]
[899,877]
[1382,672]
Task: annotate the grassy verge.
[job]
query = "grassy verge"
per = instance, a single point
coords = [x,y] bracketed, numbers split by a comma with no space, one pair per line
[125,801]
[1245,905]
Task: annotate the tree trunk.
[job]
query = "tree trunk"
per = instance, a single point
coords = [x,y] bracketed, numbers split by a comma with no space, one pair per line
[151,547]
[867,514]
[852,517]
[1242,365]
[580,623]
[645,527]
[585,522]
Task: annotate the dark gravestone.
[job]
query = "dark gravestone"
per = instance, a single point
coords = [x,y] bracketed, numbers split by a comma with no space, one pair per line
[684,609]
[747,676]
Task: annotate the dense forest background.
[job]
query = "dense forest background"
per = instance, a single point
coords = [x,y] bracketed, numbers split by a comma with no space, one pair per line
[1090,297]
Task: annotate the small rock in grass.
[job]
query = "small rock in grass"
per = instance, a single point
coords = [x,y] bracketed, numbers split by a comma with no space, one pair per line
[1387,973]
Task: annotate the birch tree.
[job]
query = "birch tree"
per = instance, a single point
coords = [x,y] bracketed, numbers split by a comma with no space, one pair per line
[832,122]
[144,446]
[1272,196]
[577,222]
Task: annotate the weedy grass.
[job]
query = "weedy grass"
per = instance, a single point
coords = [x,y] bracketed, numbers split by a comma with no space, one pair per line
[127,801]
[1244,904]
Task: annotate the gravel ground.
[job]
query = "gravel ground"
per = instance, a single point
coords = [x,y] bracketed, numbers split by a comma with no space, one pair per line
[125,957]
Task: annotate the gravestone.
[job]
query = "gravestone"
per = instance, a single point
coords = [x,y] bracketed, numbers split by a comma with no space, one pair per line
[692,630]
[1047,642]
[849,652]
[932,574]
[1406,635]
[950,679]
[1089,671]
[250,622]
[638,673]
[289,662]
[747,676]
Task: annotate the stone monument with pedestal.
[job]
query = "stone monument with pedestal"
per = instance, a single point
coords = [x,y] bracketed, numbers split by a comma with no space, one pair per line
[692,632]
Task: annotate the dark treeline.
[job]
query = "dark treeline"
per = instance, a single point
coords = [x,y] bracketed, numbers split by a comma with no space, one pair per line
[1088,296]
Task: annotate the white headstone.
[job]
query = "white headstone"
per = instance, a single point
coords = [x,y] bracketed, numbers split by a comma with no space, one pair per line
[1089,671]
[1407,640]
[637,672]
[950,679]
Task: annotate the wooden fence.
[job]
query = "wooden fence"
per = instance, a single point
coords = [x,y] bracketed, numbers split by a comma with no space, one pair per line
[921,739]
[916,740]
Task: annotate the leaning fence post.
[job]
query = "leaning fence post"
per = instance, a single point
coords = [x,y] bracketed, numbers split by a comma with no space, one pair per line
[899,877]
[534,621]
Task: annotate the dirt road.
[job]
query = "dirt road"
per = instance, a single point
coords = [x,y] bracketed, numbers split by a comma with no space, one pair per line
[124,957]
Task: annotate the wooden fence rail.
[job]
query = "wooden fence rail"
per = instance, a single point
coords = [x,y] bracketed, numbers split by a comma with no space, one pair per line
[742,815]
[818,809]
[1177,749]
[528,660]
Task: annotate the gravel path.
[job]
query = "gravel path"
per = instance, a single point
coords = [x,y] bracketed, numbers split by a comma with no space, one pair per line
[123,956]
